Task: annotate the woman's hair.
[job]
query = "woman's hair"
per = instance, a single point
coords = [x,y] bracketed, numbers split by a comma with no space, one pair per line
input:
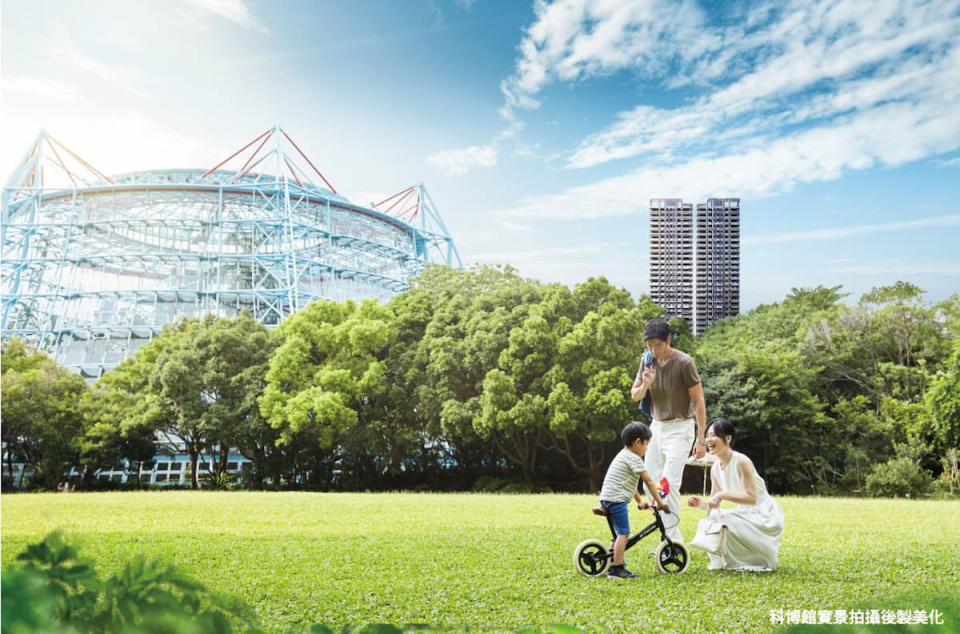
[723,428]
[633,431]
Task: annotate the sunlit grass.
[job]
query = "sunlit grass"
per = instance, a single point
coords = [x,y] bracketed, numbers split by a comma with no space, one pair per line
[501,561]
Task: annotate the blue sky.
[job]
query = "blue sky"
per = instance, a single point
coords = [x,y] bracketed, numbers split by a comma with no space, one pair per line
[542,129]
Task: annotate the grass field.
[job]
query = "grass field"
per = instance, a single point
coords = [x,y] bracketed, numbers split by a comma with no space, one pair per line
[497,561]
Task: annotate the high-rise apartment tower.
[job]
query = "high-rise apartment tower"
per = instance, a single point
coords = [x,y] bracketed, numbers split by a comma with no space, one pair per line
[698,281]
[718,261]
[671,256]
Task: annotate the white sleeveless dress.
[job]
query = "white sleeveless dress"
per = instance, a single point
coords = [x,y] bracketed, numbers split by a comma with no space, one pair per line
[753,530]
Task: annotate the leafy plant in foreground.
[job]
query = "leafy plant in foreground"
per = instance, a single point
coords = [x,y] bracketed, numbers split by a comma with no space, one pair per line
[57,591]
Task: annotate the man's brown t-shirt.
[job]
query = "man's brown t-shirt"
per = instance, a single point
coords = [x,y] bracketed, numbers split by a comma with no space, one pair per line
[668,392]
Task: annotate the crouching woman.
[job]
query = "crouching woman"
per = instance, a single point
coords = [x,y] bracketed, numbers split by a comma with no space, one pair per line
[751,531]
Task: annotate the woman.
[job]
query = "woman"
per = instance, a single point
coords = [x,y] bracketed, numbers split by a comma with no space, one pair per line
[753,529]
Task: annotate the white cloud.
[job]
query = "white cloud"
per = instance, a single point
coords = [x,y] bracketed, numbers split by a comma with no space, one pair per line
[887,135]
[461,161]
[44,87]
[576,39]
[235,11]
[846,232]
[805,91]
[67,54]
[117,142]
[816,61]
[114,143]
[515,226]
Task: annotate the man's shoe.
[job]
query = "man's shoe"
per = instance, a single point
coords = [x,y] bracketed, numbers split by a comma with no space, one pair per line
[621,572]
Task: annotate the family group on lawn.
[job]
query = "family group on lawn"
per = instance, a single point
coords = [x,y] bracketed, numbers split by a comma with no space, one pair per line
[752,529]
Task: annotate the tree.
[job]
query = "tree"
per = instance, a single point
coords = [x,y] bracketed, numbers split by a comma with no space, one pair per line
[111,430]
[589,399]
[755,375]
[513,408]
[943,403]
[471,316]
[200,385]
[465,341]
[780,423]
[326,368]
[862,436]
[195,384]
[42,421]
[233,356]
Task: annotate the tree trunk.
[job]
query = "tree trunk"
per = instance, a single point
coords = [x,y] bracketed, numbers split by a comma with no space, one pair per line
[222,467]
[194,454]
[10,463]
[596,475]
[51,476]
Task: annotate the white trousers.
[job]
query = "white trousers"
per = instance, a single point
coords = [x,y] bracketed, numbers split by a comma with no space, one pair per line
[666,456]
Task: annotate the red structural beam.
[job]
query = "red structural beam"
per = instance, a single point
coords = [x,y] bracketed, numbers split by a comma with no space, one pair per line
[407,206]
[82,162]
[305,158]
[221,163]
[249,160]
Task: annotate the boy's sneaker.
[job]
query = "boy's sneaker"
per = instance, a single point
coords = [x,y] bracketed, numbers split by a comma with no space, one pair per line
[621,572]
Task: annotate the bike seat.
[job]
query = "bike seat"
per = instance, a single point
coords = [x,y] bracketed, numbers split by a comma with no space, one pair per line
[600,510]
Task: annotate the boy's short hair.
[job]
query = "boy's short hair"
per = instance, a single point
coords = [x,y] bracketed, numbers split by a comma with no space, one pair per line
[633,431]
[656,329]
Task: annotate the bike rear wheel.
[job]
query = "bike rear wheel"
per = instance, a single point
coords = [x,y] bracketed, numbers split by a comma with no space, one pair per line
[590,558]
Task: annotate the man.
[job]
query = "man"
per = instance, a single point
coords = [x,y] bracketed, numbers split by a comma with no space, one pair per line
[679,414]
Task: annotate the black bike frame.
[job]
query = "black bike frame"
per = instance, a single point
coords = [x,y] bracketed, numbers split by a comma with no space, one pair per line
[656,524]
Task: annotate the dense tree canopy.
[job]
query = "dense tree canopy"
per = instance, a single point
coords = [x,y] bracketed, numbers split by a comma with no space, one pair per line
[479,378]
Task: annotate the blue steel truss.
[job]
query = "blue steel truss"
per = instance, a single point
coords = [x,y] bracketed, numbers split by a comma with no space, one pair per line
[94,266]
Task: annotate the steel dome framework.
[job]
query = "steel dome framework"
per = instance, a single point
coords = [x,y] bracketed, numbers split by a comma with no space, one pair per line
[94,266]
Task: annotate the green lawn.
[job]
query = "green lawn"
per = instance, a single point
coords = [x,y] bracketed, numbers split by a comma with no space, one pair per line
[498,561]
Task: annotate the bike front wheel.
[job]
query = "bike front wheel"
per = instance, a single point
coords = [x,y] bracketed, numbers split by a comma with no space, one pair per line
[672,557]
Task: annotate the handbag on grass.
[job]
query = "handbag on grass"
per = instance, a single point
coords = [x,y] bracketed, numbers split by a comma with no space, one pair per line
[711,534]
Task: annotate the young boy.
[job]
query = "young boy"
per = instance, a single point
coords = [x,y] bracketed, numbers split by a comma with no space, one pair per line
[620,484]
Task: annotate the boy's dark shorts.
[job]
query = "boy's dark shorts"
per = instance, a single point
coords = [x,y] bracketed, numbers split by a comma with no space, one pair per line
[619,516]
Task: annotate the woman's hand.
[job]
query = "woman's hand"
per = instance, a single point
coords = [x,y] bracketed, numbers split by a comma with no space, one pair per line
[695,502]
[714,502]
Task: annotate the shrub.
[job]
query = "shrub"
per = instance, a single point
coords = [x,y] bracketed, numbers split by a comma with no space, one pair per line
[900,477]
[56,591]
